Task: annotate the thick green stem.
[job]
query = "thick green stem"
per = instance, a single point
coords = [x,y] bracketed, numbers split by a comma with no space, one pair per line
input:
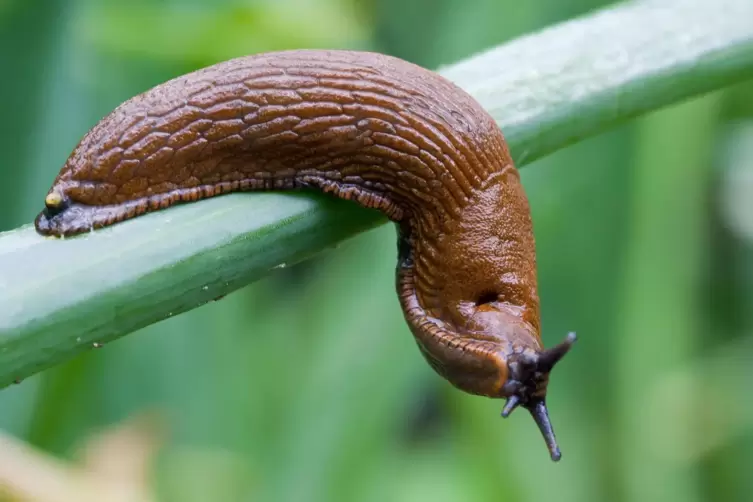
[547,90]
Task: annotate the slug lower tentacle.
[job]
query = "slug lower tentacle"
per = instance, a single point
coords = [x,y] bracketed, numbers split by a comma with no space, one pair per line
[366,127]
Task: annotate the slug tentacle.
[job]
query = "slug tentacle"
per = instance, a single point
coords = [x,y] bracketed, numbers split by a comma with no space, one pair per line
[540,415]
[374,129]
[510,405]
[526,386]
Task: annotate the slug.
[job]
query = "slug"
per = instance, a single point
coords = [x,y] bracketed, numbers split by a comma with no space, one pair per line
[366,127]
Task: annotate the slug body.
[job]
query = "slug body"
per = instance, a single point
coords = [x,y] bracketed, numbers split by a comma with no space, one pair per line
[366,127]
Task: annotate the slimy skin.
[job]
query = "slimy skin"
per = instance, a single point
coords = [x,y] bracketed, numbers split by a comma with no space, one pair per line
[370,128]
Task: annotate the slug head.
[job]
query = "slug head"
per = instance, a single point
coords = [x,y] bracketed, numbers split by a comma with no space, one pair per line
[528,376]
[523,364]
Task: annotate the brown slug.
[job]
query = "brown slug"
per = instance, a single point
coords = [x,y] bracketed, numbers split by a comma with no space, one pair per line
[365,127]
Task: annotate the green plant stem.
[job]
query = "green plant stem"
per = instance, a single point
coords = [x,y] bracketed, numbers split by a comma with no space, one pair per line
[553,88]
[546,91]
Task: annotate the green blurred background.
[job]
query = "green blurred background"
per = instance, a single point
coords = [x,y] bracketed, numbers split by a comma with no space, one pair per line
[307,386]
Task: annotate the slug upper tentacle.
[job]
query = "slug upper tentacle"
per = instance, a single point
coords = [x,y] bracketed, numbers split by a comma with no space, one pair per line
[366,127]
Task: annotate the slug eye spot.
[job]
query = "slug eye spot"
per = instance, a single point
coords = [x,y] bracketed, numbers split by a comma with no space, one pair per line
[486,297]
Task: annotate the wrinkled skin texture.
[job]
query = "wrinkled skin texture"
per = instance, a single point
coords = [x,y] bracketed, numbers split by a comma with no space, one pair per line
[366,127]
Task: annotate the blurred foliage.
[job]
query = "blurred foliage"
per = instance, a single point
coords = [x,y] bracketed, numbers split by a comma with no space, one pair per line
[307,385]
